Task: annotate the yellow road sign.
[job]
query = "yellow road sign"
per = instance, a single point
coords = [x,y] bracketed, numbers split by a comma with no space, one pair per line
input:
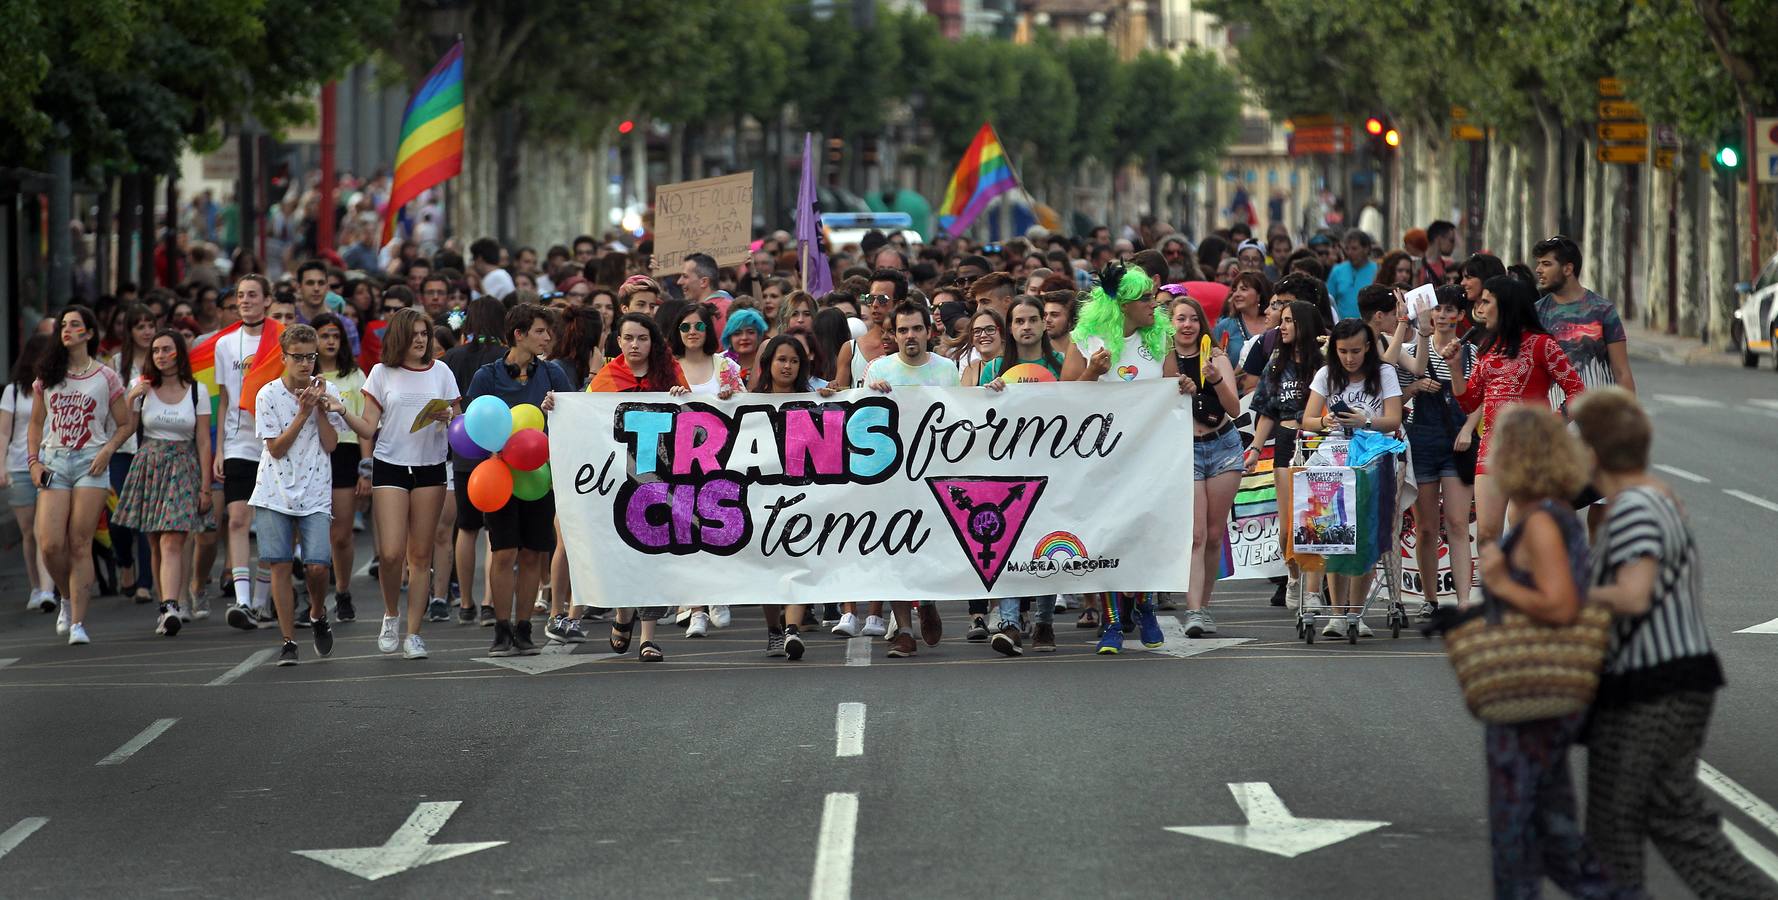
[1634,154]
[1611,87]
[1623,131]
[1459,113]
[1663,158]
[1619,109]
[1468,133]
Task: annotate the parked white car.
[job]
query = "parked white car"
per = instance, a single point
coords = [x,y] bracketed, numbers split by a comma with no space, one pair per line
[1756,322]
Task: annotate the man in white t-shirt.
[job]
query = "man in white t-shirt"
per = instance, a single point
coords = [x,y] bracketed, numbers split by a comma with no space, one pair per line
[911,365]
[292,497]
[237,466]
[485,261]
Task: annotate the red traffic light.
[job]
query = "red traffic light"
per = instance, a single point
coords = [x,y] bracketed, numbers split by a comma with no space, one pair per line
[1373,126]
[1392,138]
[626,126]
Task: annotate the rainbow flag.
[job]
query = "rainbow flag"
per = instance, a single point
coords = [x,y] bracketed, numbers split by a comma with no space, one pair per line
[983,174]
[431,148]
[268,363]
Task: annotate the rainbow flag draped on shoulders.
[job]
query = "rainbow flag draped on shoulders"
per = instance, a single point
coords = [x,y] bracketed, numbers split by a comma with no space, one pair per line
[268,363]
[431,148]
[984,173]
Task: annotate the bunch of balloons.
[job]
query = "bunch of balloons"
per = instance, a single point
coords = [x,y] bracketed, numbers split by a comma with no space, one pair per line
[512,447]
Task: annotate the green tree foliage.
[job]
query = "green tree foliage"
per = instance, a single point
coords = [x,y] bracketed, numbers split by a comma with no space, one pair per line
[125,84]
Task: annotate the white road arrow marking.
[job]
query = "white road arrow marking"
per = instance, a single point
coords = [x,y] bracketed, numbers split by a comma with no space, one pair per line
[1762,628]
[1687,400]
[1272,829]
[14,836]
[408,848]
[1180,646]
[553,657]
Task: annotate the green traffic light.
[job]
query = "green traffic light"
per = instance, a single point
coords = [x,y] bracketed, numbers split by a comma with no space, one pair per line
[1728,158]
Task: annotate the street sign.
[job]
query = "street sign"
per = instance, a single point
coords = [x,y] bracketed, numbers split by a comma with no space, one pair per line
[1611,87]
[1622,131]
[1320,139]
[1666,136]
[1765,149]
[1619,109]
[1468,133]
[1634,154]
[1459,113]
[1664,157]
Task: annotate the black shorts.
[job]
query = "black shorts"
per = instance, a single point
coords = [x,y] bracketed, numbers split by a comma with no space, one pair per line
[468,517]
[408,478]
[345,466]
[524,525]
[238,477]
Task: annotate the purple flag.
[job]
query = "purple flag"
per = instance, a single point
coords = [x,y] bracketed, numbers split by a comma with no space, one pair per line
[817,275]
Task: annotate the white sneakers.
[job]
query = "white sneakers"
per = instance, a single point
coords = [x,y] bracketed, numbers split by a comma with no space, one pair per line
[389,640]
[414,648]
[1336,628]
[77,635]
[1365,630]
[874,626]
[700,625]
[719,616]
[42,601]
[848,626]
[62,619]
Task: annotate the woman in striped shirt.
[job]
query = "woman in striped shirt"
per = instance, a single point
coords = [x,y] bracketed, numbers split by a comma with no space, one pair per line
[1661,677]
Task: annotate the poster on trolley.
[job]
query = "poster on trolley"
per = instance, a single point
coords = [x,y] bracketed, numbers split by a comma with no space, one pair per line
[916,494]
[1324,510]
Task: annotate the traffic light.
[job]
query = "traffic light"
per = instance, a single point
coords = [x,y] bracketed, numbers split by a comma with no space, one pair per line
[1392,138]
[1384,136]
[1728,153]
[1373,126]
[626,126]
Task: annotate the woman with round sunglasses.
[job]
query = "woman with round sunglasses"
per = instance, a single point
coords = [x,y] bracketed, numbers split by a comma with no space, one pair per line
[690,338]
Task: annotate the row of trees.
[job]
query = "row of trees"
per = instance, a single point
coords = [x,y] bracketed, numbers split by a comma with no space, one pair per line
[1529,72]
[549,81]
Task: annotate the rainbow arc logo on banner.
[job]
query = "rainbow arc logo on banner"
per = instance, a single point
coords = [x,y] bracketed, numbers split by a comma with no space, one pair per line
[985,172]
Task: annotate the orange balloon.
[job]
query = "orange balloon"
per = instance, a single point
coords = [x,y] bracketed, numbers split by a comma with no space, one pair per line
[490,485]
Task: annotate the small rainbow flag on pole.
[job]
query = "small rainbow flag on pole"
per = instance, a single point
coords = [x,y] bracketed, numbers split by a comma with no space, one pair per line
[431,148]
[984,173]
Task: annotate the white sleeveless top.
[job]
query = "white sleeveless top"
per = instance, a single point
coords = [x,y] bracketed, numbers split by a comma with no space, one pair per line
[1136,362]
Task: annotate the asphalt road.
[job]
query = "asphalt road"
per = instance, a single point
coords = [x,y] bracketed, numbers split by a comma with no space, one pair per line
[722,773]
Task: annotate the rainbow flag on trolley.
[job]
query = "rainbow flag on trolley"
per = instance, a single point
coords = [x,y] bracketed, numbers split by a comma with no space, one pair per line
[431,148]
[985,172]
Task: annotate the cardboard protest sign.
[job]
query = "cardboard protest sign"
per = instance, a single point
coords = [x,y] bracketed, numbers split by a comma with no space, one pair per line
[919,494]
[711,215]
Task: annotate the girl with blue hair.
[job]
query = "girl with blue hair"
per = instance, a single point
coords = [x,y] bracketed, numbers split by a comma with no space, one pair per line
[741,336]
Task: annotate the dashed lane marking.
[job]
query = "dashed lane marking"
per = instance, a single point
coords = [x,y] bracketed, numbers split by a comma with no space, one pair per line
[848,730]
[833,848]
[135,744]
[1754,499]
[14,836]
[1677,472]
[247,665]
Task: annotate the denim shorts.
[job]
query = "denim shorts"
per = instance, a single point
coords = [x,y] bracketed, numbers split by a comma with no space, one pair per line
[278,533]
[1433,457]
[70,469]
[22,491]
[1214,455]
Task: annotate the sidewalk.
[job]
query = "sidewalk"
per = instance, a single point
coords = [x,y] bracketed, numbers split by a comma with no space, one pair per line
[1674,349]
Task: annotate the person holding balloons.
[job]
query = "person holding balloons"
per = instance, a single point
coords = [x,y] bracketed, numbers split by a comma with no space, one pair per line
[519,508]
[480,345]
[408,398]
[642,364]
[1217,462]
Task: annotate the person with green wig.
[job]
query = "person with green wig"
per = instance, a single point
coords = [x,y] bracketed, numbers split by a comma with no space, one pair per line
[1119,338]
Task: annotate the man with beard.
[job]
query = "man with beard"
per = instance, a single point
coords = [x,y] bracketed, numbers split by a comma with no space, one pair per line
[1584,323]
[1061,311]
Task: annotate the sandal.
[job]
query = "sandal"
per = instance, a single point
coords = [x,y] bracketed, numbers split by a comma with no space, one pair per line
[651,653]
[620,635]
[1089,618]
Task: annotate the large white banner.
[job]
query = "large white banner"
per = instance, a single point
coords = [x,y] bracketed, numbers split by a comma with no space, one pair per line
[919,494]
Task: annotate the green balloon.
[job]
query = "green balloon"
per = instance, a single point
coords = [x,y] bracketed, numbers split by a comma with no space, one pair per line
[531,485]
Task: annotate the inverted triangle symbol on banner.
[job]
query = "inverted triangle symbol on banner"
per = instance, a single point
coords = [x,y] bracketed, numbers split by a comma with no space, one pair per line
[987,514]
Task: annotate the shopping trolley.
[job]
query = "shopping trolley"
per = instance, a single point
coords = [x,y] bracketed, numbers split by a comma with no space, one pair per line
[1372,531]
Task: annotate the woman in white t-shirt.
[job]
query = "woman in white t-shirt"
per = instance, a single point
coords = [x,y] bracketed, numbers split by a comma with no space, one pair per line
[1354,391]
[21,491]
[165,495]
[76,408]
[416,395]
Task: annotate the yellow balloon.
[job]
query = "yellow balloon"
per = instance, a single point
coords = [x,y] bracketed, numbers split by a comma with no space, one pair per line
[526,415]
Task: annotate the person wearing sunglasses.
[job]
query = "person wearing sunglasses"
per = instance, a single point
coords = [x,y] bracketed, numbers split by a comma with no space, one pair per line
[887,288]
[297,418]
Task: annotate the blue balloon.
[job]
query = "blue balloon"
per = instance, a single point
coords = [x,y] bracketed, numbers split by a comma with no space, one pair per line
[489,422]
